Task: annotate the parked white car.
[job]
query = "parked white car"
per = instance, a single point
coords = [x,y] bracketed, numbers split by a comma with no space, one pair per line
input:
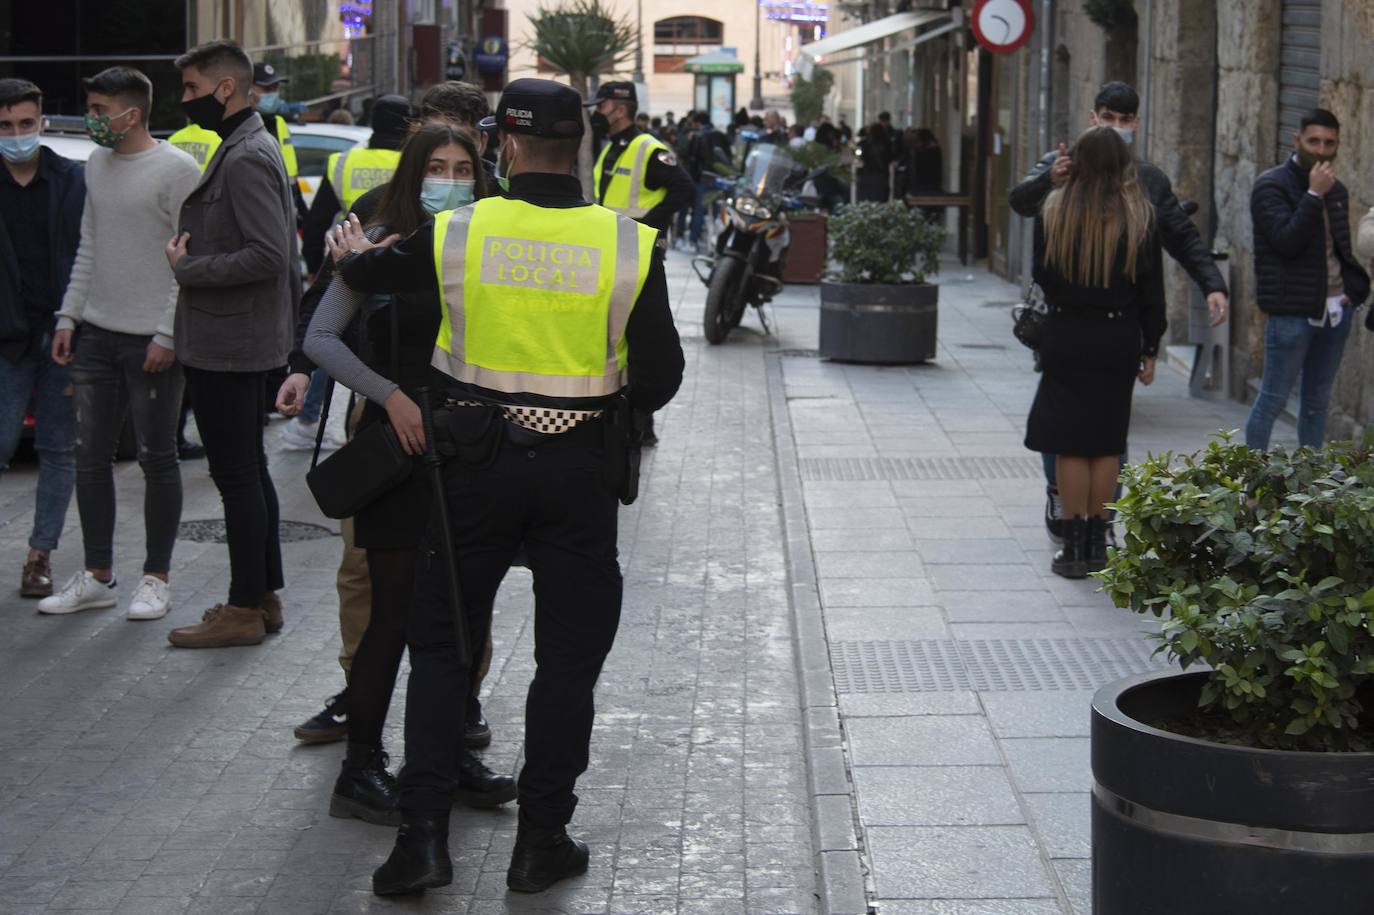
[315,142]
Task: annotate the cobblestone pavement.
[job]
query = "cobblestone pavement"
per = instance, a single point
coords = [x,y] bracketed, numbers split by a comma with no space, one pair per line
[136,778]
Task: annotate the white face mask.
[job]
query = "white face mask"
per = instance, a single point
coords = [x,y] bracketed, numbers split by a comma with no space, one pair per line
[1127,134]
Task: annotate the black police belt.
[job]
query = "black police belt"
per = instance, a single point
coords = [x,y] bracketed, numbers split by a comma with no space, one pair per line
[544,420]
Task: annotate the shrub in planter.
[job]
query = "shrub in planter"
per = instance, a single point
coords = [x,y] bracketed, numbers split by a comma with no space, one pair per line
[1260,565]
[876,305]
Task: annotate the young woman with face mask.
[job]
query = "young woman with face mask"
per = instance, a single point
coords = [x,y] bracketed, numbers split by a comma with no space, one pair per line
[440,169]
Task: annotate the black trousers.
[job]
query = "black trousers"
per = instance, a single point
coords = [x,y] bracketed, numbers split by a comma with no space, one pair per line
[553,498]
[228,408]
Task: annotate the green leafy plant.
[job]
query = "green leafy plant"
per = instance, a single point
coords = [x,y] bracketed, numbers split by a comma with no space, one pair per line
[883,243]
[808,95]
[1260,565]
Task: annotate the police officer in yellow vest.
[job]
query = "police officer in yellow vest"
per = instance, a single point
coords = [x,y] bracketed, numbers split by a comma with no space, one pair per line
[267,99]
[349,175]
[197,142]
[636,175]
[555,311]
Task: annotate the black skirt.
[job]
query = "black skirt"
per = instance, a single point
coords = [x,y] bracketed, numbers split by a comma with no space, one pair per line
[397,520]
[1090,362]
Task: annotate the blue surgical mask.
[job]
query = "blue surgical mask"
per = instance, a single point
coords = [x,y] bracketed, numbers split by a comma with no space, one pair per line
[270,103]
[1126,134]
[20,148]
[439,194]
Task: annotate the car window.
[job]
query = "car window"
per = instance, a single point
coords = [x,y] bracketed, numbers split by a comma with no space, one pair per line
[313,151]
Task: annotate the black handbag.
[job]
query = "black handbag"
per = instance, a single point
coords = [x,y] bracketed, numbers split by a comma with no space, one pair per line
[367,467]
[1029,318]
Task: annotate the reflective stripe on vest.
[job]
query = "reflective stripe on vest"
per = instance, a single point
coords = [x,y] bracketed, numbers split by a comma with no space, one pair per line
[357,171]
[197,142]
[535,300]
[288,149]
[625,192]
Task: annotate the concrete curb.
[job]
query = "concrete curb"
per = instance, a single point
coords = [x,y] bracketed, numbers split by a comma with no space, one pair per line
[834,826]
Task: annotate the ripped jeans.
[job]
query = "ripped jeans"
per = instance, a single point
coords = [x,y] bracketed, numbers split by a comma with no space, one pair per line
[35,380]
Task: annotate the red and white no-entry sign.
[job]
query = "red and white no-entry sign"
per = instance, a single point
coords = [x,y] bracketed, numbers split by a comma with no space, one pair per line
[1002,26]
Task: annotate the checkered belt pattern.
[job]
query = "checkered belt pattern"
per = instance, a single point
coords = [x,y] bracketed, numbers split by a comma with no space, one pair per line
[546,420]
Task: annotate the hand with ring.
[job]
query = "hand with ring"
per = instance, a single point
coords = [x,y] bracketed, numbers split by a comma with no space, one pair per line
[348,238]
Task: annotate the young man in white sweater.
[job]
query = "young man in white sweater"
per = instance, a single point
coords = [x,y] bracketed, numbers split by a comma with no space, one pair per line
[115,330]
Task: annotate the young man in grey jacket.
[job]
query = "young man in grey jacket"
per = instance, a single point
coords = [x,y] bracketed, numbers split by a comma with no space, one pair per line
[121,300]
[236,262]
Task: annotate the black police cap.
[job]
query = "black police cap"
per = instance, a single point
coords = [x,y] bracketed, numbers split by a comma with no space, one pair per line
[538,107]
[267,75]
[618,92]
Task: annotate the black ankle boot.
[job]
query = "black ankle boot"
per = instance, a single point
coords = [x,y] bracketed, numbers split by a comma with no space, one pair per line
[419,860]
[365,789]
[1095,557]
[542,857]
[1072,560]
[480,787]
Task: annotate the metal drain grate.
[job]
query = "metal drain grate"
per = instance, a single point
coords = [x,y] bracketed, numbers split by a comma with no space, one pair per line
[212,531]
[937,468]
[799,353]
[988,665]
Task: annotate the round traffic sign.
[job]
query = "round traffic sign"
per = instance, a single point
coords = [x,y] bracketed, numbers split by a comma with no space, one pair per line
[1002,26]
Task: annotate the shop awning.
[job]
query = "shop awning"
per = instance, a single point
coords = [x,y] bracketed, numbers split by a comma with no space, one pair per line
[715,62]
[823,51]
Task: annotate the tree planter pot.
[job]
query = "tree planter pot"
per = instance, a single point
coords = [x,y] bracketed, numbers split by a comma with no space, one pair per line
[1190,827]
[866,322]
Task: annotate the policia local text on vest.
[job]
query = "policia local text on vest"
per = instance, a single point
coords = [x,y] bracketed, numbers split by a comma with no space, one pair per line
[555,310]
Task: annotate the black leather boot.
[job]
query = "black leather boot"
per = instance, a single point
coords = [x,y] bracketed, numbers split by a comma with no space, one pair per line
[1072,560]
[365,789]
[1095,558]
[419,860]
[480,787]
[542,857]
[476,731]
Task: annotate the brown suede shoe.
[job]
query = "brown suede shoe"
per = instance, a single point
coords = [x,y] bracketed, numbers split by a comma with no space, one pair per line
[37,580]
[223,626]
[271,613]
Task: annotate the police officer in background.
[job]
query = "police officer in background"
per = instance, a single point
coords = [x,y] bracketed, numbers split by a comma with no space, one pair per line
[637,175]
[350,174]
[553,309]
[267,99]
[197,142]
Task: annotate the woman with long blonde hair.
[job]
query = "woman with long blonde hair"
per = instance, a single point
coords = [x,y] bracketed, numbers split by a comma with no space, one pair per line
[1097,259]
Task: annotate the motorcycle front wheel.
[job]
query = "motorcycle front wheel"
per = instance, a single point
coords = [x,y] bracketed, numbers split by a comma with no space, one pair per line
[720,307]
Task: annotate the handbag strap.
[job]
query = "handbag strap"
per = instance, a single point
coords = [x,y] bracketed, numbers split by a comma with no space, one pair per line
[324,418]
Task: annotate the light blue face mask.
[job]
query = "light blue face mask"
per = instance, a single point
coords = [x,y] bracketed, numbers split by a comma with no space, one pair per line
[20,148]
[439,194]
[270,103]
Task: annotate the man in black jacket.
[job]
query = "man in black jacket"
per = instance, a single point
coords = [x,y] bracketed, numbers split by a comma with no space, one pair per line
[1117,106]
[1307,280]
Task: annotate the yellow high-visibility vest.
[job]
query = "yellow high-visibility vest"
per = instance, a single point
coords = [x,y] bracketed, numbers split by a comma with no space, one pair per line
[288,149]
[625,192]
[536,299]
[356,171]
[198,142]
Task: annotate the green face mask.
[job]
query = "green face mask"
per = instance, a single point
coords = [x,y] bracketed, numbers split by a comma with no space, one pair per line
[98,127]
[1306,160]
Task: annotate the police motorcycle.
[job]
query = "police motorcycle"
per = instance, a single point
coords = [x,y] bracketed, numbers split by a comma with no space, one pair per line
[750,248]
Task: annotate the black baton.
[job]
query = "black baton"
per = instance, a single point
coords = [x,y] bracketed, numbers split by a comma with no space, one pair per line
[435,465]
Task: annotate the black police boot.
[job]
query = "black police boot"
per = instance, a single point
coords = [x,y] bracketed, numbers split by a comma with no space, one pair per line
[329,725]
[476,733]
[365,789]
[480,787]
[1095,558]
[542,857]
[1072,560]
[1054,514]
[648,438]
[419,860]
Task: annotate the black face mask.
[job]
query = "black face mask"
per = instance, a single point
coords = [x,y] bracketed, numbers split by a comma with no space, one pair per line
[205,111]
[599,123]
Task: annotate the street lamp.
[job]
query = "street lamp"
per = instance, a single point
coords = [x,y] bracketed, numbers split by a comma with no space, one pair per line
[639,42]
[756,103]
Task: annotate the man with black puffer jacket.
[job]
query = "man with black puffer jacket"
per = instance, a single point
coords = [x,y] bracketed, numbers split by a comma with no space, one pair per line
[1306,278]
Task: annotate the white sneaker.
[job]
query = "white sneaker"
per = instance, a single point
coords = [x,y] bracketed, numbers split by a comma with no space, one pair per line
[152,599]
[83,591]
[300,436]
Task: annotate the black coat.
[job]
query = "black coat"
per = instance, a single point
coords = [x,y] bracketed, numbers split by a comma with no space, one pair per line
[1176,231]
[1290,243]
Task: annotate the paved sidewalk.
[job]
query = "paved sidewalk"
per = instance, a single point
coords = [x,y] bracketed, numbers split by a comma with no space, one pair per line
[962,668]
[139,779]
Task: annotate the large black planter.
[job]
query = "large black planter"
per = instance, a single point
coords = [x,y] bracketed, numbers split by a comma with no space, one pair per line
[879,324]
[1189,827]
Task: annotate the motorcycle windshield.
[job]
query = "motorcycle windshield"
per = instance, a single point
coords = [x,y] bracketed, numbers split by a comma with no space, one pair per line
[768,169]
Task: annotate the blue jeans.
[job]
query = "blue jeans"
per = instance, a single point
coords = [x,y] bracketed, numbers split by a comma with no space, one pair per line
[314,397]
[36,378]
[699,212]
[1292,347]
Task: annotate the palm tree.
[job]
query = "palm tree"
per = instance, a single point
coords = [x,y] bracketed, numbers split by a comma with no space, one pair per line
[582,38]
